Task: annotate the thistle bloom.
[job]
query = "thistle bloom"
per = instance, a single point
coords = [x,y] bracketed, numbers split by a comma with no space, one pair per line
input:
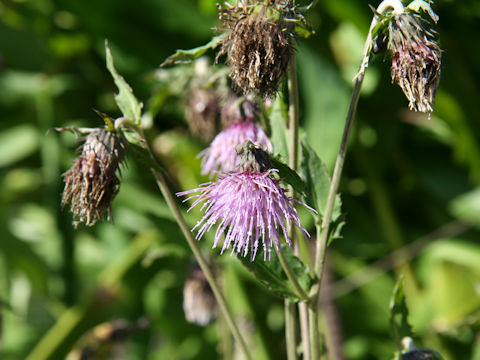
[91,183]
[258,44]
[415,60]
[221,155]
[248,207]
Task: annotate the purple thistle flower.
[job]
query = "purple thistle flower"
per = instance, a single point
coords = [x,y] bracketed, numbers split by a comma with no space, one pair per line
[221,155]
[252,206]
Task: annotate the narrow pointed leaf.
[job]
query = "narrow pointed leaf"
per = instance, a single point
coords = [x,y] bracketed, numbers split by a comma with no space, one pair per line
[130,107]
[186,56]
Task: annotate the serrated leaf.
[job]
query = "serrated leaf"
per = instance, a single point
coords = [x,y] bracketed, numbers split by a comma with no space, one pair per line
[277,124]
[399,314]
[417,5]
[271,275]
[317,178]
[288,175]
[186,56]
[128,104]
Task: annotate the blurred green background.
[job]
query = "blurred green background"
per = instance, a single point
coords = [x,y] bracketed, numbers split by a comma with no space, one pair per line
[410,183]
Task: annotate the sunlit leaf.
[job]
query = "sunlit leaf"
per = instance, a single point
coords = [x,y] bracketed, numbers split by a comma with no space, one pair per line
[418,5]
[126,101]
[399,314]
[186,56]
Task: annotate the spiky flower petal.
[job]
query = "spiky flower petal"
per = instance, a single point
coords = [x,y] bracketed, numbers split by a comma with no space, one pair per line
[247,208]
[221,155]
[415,60]
[258,44]
[91,183]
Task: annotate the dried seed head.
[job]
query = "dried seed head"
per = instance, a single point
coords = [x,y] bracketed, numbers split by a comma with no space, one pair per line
[415,60]
[199,302]
[258,44]
[203,113]
[92,183]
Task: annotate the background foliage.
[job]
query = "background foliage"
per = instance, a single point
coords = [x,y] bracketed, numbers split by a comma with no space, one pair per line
[410,184]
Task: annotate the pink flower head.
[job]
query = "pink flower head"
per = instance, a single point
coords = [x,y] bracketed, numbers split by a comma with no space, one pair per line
[221,155]
[248,207]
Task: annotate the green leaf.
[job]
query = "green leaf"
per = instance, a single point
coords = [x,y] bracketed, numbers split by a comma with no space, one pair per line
[271,275]
[417,5]
[317,178]
[278,118]
[399,314]
[126,101]
[288,175]
[186,56]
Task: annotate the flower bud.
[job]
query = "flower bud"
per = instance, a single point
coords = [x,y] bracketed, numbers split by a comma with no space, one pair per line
[203,113]
[91,183]
[415,60]
[199,303]
[258,44]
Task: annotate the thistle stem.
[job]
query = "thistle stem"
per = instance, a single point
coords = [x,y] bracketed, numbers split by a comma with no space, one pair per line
[323,229]
[222,304]
[290,275]
[202,262]
[290,314]
[290,333]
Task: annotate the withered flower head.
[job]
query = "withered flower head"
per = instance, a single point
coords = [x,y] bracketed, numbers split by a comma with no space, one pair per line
[415,60]
[258,43]
[199,303]
[203,113]
[239,109]
[92,183]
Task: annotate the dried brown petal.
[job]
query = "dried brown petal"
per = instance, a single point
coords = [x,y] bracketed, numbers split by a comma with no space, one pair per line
[415,60]
[92,183]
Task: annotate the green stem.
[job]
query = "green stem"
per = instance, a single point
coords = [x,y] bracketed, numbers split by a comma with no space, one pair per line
[290,333]
[290,275]
[222,304]
[313,331]
[323,230]
[293,114]
[202,262]
[337,172]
